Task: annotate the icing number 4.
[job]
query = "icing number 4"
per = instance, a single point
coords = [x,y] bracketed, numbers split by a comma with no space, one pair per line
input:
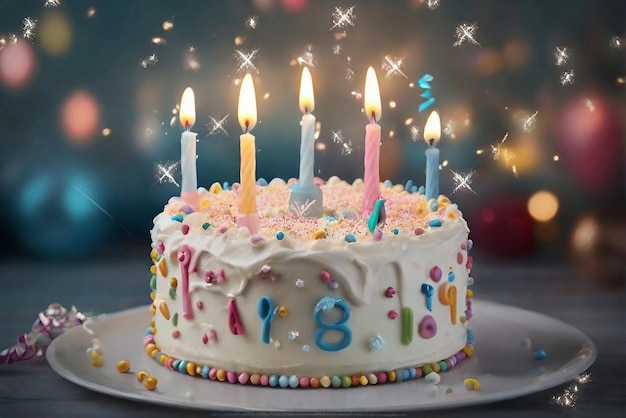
[327,304]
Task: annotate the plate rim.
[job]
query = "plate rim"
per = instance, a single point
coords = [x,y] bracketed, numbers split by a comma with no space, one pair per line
[560,376]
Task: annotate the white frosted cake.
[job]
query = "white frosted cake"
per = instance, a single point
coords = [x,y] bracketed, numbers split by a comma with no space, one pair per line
[343,300]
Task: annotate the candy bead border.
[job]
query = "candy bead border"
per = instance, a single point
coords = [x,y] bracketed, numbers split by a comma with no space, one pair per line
[293,381]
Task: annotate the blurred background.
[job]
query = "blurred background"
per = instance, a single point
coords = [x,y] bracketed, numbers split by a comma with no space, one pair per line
[530,94]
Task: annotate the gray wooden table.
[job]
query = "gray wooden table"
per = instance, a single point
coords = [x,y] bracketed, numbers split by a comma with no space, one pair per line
[31,388]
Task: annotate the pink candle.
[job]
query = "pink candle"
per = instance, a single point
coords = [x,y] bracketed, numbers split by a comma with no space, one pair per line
[371,176]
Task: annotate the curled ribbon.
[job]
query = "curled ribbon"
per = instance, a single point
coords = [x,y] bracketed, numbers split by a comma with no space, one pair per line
[50,323]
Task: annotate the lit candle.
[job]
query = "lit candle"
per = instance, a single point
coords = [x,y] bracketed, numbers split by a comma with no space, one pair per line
[432,132]
[189,183]
[306,197]
[373,111]
[248,216]
[307,104]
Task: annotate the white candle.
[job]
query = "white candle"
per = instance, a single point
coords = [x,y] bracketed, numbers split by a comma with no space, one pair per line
[432,133]
[189,183]
[373,111]
[307,138]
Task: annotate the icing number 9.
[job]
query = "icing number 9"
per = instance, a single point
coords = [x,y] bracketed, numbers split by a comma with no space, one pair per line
[267,312]
[325,305]
[447,296]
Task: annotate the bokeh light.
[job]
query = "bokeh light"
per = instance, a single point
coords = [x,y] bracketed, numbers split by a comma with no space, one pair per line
[17,64]
[55,33]
[543,205]
[80,116]
[55,214]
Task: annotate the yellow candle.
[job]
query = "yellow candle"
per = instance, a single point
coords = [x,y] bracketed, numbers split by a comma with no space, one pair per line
[247,120]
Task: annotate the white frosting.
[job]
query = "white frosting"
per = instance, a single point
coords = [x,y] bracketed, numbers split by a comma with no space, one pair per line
[363,271]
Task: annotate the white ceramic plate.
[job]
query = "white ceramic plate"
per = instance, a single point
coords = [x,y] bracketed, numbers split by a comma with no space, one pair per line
[503,363]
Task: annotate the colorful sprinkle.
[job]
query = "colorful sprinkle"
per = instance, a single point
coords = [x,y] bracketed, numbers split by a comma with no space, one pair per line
[390,291]
[299,283]
[377,343]
[434,223]
[206,226]
[123,366]
[392,314]
[350,238]
[427,327]
[292,335]
[435,274]
[280,236]
[326,276]
[471,384]
[150,383]
[540,354]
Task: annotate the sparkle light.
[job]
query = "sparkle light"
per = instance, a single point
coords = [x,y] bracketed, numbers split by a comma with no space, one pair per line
[567,78]
[339,139]
[163,172]
[151,59]
[343,18]
[590,105]
[29,28]
[567,399]
[307,58]
[449,129]
[432,4]
[529,122]
[415,133]
[462,181]
[91,12]
[216,126]
[52,3]
[616,42]
[252,21]
[501,153]
[168,25]
[337,49]
[393,66]
[158,40]
[245,60]
[465,32]
[561,56]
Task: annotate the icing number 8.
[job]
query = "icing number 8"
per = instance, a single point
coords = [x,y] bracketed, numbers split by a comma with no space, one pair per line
[324,305]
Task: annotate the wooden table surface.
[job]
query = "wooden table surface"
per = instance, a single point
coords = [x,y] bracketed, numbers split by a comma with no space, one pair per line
[32,388]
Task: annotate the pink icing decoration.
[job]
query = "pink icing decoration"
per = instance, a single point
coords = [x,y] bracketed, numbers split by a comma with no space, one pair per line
[265,380]
[223,229]
[184,258]
[232,377]
[459,257]
[199,305]
[184,229]
[390,292]
[212,373]
[326,276]
[213,335]
[464,245]
[392,314]
[378,235]
[304,382]
[427,327]
[205,338]
[160,247]
[435,274]
[234,322]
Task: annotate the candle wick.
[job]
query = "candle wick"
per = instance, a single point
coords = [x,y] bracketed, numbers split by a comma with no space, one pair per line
[247,124]
[306,110]
[431,141]
[373,118]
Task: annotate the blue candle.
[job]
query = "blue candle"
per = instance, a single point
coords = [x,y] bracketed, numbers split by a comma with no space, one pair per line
[432,133]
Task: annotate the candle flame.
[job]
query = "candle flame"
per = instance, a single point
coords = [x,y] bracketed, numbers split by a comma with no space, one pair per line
[307,99]
[373,109]
[247,104]
[432,129]
[188,108]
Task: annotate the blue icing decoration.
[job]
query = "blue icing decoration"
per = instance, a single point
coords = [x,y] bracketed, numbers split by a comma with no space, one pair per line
[226,185]
[273,381]
[378,216]
[451,276]
[206,226]
[470,244]
[205,371]
[261,182]
[266,311]
[326,303]
[387,183]
[429,291]
[405,374]
[408,186]
[377,343]
[434,205]
[293,381]
[283,381]
[421,190]
[350,238]
[178,217]
[280,235]
[434,222]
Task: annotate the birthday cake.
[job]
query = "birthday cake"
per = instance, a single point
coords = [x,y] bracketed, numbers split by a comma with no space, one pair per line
[333,301]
